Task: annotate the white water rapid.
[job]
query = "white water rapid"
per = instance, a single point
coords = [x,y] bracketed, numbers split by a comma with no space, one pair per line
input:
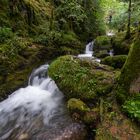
[33,109]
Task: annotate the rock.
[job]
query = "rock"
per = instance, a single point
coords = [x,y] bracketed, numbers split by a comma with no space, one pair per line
[74,131]
[116,61]
[80,78]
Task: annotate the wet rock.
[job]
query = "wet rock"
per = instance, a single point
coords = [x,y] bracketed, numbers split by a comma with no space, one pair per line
[74,131]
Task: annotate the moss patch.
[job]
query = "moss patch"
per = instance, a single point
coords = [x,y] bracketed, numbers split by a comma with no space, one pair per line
[77,105]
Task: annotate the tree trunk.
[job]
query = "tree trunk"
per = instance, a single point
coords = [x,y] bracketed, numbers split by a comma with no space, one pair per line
[129,20]
[129,82]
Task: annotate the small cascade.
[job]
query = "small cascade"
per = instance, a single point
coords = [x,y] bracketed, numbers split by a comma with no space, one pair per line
[88,50]
[111,53]
[36,111]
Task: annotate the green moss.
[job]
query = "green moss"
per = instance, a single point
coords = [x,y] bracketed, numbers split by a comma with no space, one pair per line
[116,61]
[81,79]
[102,42]
[77,105]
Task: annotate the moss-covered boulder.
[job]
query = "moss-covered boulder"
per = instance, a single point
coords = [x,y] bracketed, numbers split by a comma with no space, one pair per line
[77,105]
[101,54]
[81,112]
[102,43]
[116,61]
[82,79]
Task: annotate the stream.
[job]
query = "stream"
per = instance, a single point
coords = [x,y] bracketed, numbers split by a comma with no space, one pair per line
[37,112]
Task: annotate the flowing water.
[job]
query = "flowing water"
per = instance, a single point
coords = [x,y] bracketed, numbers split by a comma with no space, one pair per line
[89,52]
[36,112]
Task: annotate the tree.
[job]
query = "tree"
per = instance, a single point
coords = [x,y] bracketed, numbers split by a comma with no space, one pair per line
[129,81]
[129,20]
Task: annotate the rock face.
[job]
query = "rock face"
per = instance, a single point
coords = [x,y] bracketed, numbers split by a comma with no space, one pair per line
[80,78]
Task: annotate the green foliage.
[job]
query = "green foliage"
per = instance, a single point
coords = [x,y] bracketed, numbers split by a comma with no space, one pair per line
[102,43]
[102,40]
[5,33]
[120,45]
[132,107]
[116,61]
[84,18]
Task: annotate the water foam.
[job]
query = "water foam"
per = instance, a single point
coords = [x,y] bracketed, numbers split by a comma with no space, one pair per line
[40,98]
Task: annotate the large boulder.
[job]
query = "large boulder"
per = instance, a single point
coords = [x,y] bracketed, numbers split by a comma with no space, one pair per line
[116,61]
[82,79]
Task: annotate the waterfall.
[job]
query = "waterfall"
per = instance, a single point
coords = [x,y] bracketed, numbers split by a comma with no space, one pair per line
[32,109]
[88,50]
